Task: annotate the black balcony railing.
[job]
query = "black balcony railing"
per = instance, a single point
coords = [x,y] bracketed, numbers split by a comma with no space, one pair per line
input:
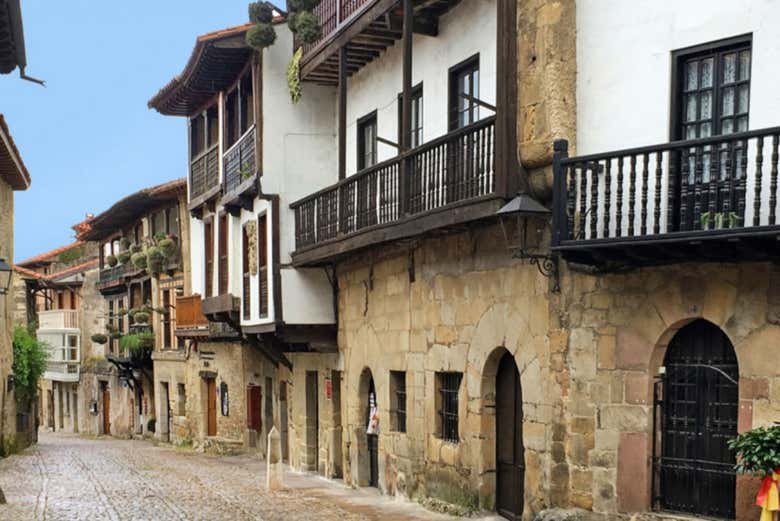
[456,167]
[720,185]
[239,161]
[204,172]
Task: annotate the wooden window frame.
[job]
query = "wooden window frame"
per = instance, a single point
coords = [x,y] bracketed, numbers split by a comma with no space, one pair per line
[470,64]
[246,284]
[223,254]
[262,264]
[416,137]
[208,261]
[367,120]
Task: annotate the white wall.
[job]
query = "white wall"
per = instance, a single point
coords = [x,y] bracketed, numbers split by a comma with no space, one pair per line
[377,85]
[624,64]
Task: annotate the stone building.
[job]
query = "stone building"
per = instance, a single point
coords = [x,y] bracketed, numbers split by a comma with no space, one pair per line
[58,297]
[13,177]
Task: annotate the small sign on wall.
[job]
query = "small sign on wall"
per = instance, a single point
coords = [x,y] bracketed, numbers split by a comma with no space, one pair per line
[328,388]
[224,399]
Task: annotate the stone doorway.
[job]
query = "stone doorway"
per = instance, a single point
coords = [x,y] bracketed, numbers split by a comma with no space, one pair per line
[368,441]
[510,454]
[312,421]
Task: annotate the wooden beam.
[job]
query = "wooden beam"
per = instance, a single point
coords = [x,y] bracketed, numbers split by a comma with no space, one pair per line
[509,177]
[342,101]
[406,106]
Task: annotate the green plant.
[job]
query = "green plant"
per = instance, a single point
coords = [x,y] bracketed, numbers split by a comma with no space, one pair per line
[155,259]
[71,255]
[260,36]
[115,335]
[260,13]
[162,311]
[124,244]
[123,257]
[758,450]
[136,248]
[307,26]
[159,236]
[168,247]
[137,344]
[141,317]
[121,312]
[294,76]
[302,5]
[719,219]
[245,172]
[139,260]
[29,362]
[99,338]
[131,313]
[111,261]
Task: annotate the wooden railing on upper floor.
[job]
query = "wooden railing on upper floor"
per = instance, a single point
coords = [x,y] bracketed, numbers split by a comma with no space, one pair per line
[204,172]
[189,313]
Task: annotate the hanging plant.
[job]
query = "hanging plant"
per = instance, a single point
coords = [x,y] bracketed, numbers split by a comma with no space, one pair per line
[260,36]
[294,76]
[111,261]
[115,335]
[124,243]
[136,248]
[162,311]
[141,317]
[260,13]
[155,259]
[168,247]
[139,260]
[307,26]
[99,338]
[124,257]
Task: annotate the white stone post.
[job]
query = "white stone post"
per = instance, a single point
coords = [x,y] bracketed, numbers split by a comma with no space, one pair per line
[274,479]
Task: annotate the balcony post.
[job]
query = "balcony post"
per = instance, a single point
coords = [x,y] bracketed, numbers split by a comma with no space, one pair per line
[509,174]
[559,219]
[405,171]
[342,102]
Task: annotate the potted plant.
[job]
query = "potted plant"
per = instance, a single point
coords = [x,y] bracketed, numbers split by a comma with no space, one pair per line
[124,244]
[111,261]
[123,257]
[139,260]
[155,259]
[141,317]
[168,247]
[99,338]
[758,453]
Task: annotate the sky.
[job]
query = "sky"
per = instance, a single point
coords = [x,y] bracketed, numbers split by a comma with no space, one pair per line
[88,138]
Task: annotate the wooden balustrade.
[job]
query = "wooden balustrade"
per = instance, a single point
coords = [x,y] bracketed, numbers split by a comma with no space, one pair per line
[189,313]
[204,172]
[717,183]
[331,15]
[456,167]
[240,161]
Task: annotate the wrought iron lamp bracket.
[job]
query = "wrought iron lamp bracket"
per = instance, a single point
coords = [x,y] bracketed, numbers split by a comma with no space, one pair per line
[547,264]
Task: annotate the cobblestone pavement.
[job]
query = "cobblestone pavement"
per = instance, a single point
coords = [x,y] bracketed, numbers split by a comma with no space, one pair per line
[66,477]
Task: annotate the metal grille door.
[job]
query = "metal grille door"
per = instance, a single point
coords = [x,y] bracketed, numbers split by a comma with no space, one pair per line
[699,415]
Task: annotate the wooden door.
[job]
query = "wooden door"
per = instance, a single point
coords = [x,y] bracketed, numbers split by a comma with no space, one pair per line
[106,408]
[284,432]
[312,420]
[510,460]
[254,395]
[700,407]
[211,407]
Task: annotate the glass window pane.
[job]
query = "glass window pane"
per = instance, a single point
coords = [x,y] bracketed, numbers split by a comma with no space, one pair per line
[706,105]
[744,65]
[742,124]
[690,107]
[705,130]
[690,132]
[744,94]
[691,75]
[727,126]
[706,72]
[705,168]
[730,68]
[728,101]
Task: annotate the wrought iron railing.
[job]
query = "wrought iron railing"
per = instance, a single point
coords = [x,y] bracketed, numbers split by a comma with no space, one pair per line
[455,167]
[239,161]
[204,172]
[716,183]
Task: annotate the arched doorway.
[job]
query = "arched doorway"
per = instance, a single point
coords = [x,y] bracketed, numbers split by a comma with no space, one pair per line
[510,460]
[369,453]
[699,415]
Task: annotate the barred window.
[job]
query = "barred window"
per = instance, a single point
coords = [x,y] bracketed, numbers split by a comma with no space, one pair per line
[448,385]
[398,400]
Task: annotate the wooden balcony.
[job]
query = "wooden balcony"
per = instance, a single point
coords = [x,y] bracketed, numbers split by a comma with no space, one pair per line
[240,171]
[712,199]
[58,319]
[368,26]
[110,277]
[204,176]
[190,320]
[450,180]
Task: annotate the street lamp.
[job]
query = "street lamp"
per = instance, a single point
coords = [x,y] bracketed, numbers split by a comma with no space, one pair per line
[5,277]
[515,218]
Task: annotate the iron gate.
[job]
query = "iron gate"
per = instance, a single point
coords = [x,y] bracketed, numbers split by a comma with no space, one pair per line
[696,402]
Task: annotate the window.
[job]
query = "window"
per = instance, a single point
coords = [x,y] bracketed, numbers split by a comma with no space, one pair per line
[212,126]
[180,341]
[223,255]
[73,348]
[464,92]
[247,102]
[167,331]
[448,385]
[262,263]
[181,399]
[165,222]
[246,281]
[416,136]
[197,136]
[232,118]
[366,141]
[398,401]
[208,241]
[115,321]
[239,109]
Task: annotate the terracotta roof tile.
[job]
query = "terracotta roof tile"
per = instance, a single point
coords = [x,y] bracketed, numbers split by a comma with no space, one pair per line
[11,165]
[46,256]
[27,273]
[84,266]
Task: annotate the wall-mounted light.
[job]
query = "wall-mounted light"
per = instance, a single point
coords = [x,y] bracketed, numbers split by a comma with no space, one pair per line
[523,220]
[5,276]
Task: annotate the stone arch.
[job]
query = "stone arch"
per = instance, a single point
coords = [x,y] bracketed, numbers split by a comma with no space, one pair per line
[361,468]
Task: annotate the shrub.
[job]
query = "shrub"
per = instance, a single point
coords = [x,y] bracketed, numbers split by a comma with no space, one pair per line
[261,36]
[29,362]
[758,450]
[307,26]
[99,338]
[111,261]
[297,6]
[260,13]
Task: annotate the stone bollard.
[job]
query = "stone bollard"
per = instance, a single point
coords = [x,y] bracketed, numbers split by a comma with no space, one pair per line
[274,479]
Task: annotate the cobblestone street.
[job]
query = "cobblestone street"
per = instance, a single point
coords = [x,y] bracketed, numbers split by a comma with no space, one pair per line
[66,477]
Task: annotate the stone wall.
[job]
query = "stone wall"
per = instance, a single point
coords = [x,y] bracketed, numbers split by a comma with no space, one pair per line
[467,305]
[7,400]
[618,329]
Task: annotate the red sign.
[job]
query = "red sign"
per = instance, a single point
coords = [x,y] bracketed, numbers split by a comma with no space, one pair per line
[328,388]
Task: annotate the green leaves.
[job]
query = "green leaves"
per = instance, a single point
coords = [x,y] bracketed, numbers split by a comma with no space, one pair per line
[758,450]
[29,362]
[294,76]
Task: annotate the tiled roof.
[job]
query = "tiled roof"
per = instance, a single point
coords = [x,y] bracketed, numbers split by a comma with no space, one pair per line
[84,266]
[48,256]
[12,167]
[27,273]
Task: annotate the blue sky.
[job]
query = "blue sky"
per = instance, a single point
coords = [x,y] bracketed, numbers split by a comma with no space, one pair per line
[88,138]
